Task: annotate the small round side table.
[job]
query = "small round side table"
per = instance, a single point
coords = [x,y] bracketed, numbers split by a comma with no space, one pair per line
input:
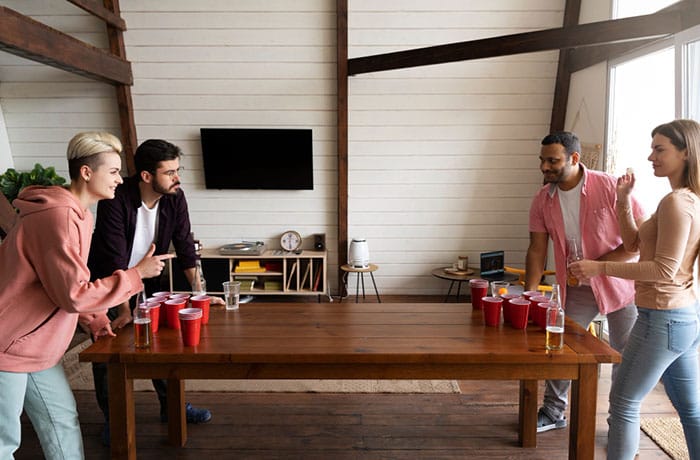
[360,278]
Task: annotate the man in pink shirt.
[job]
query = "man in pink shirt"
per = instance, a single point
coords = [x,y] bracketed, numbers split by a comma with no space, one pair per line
[578,204]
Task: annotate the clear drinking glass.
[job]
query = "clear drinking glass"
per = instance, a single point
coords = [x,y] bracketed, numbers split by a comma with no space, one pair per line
[232,294]
[573,253]
[142,327]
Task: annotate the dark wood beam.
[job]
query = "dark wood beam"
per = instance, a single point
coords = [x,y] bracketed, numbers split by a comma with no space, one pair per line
[342,133]
[639,27]
[33,40]
[560,102]
[124,102]
[96,9]
[581,58]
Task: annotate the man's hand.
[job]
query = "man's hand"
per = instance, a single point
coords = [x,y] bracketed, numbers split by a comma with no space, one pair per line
[217,301]
[121,320]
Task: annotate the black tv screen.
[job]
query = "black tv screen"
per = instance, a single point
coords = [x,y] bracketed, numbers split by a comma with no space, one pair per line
[248,158]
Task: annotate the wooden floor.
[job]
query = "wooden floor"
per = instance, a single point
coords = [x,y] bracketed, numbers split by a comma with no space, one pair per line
[478,423]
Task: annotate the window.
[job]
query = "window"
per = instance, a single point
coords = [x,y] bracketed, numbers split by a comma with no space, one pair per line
[647,88]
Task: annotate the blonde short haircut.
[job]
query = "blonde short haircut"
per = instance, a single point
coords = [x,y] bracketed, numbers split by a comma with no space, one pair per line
[84,148]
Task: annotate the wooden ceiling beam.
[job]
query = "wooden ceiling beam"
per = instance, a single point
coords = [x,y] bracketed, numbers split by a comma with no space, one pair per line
[572,11]
[23,36]
[97,9]
[659,24]
[581,58]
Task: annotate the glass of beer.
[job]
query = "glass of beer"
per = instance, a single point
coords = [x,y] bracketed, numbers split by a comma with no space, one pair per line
[142,326]
[574,252]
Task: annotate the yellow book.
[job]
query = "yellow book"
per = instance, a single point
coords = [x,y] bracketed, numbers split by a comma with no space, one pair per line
[249,263]
[240,269]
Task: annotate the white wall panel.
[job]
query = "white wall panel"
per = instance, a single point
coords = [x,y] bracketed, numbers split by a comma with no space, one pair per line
[443,158]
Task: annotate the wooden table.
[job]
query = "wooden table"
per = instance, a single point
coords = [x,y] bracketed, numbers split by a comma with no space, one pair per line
[354,341]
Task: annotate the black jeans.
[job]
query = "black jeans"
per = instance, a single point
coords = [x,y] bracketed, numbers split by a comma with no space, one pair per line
[99,375]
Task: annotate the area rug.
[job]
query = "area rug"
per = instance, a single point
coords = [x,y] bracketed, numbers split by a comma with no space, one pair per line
[667,432]
[80,378]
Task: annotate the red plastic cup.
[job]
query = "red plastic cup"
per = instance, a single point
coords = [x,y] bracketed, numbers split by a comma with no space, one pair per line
[154,309]
[518,313]
[203,302]
[172,307]
[506,305]
[190,325]
[161,294]
[535,310]
[479,289]
[528,294]
[492,310]
[161,301]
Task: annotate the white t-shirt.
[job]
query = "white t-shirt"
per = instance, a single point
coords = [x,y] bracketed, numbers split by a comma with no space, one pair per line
[146,224]
[570,202]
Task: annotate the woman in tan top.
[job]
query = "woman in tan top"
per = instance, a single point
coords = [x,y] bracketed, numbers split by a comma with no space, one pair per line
[663,343]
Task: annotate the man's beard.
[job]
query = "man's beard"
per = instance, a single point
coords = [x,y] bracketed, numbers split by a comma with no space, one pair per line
[165,191]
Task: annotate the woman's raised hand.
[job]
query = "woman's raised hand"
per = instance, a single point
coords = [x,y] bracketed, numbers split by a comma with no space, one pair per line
[625,184]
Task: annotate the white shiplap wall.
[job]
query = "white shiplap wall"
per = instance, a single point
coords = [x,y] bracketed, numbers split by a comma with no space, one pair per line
[443,159]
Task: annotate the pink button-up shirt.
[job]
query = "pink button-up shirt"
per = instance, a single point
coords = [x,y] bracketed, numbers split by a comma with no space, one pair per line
[600,234]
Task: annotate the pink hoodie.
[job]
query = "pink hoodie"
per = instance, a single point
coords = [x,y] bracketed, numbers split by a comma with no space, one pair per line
[45,281]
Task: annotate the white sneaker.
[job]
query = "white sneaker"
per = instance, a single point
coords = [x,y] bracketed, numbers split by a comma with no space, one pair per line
[545,423]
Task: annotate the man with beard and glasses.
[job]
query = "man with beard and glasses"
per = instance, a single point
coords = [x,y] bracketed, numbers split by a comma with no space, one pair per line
[578,203]
[149,208]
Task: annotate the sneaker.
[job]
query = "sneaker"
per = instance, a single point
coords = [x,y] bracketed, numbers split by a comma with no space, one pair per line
[192,414]
[546,423]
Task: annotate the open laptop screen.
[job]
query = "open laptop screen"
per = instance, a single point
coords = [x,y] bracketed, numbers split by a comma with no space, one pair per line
[492,263]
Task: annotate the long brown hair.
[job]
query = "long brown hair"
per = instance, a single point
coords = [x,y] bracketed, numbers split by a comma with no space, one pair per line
[685,134]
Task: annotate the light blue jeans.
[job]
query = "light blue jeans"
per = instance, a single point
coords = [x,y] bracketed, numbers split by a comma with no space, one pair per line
[663,345]
[582,308]
[48,400]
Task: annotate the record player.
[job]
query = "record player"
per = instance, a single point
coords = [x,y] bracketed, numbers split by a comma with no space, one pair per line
[244,248]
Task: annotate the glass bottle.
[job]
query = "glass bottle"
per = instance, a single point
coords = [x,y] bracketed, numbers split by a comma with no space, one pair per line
[554,336]
[573,253]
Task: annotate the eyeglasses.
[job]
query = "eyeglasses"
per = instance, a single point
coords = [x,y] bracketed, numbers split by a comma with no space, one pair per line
[173,172]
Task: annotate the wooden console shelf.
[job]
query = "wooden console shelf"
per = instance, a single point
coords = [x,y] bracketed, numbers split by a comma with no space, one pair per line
[281,272]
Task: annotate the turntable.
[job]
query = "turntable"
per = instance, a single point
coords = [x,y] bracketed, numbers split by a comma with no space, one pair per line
[244,248]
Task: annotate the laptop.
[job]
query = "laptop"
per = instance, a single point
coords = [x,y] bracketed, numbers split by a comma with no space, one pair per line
[493,265]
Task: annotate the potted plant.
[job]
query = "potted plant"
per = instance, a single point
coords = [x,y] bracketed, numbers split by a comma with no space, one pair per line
[13,181]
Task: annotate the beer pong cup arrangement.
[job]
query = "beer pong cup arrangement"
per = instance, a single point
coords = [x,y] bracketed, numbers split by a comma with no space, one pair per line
[172,307]
[537,313]
[492,310]
[203,302]
[479,289]
[506,305]
[190,325]
[519,308]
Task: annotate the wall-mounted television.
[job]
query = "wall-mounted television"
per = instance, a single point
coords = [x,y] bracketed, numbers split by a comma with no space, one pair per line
[255,158]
